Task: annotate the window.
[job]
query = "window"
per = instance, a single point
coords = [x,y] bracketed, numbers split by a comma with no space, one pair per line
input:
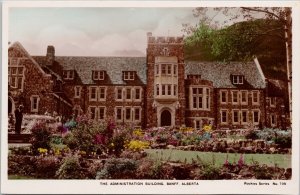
[137,93]
[128,93]
[157,89]
[235,117]
[166,69]
[92,110]
[235,97]
[128,75]
[198,124]
[244,97]
[224,116]
[273,120]
[137,114]
[163,90]
[256,117]
[244,116]
[98,75]
[119,94]
[272,101]
[68,74]
[237,79]
[207,98]
[200,98]
[102,93]
[119,114]
[101,113]
[169,89]
[175,70]
[16,77]
[93,93]
[175,90]
[156,69]
[35,99]
[169,67]
[224,96]
[128,114]
[77,91]
[255,97]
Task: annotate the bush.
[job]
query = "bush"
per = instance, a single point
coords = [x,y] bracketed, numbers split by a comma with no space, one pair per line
[283,142]
[41,136]
[93,168]
[21,165]
[262,172]
[209,172]
[20,150]
[70,140]
[70,169]
[251,135]
[47,166]
[118,168]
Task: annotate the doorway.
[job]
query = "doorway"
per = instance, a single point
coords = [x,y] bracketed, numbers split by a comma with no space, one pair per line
[165,118]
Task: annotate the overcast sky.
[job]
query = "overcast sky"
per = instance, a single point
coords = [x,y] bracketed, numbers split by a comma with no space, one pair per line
[94,31]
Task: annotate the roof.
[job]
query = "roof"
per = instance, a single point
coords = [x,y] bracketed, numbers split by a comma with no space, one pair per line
[276,87]
[23,53]
[112,65]
[220,73]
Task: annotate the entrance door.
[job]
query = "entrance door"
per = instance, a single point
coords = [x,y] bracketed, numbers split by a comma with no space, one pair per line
[165,118]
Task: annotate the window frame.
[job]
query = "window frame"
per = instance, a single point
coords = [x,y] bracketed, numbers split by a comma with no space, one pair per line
[77,91]
[100,75]
[257,96]
[237,112]
[121,114]
[128,75]
[226,116]
[272,102]
[237,97]
[100,93]
[68,74]
[90,93]
[32,99]
[90,112]
[238,79]
[246,97]
[253,116]
[104,113]
[221,96]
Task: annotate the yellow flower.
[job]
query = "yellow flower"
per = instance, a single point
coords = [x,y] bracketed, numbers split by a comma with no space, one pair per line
[207,128]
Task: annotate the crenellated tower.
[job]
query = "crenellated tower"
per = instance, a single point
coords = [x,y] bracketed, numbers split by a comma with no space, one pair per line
[165,98]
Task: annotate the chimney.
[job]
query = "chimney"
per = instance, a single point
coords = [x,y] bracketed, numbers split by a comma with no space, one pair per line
[50,56]
[149,34]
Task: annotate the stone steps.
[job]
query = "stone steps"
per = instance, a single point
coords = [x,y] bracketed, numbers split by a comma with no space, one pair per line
[19,138]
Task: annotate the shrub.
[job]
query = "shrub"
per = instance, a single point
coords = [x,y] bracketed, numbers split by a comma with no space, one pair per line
[47,166]
[20,150]
[70,140]
[251,135]
[283,142]
[41,136]
[118,168]
[21,165]
[262,172]
[70,169]
[209,172]
[93,168]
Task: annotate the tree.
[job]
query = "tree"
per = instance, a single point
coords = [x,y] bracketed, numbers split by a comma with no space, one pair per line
[280,15]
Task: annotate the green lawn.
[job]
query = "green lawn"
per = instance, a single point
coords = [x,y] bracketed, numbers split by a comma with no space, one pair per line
[19,177]
[282,160]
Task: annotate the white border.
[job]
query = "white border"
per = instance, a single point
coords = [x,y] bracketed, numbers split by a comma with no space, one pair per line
[93,186]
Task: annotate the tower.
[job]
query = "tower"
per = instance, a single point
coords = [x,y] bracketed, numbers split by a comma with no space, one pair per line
[165,98]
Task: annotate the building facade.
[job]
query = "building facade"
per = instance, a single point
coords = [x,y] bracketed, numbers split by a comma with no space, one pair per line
[161,89]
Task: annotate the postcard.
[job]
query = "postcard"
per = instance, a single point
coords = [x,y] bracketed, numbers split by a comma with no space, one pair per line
[150,97]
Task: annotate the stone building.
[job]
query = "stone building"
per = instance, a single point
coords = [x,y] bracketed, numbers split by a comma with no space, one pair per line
[161,89]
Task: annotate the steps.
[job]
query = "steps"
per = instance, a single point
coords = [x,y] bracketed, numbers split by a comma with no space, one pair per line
[19,138]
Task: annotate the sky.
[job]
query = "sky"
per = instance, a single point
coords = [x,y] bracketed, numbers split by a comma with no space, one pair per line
[94,31]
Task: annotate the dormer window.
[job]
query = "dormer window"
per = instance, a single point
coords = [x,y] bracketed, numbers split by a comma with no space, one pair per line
[68,74]
[128,75]
[98,75]
[238,79]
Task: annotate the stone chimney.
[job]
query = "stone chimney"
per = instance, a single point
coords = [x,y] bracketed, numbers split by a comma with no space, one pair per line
[50,56]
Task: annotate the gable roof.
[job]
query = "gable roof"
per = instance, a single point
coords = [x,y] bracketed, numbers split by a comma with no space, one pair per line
[220,73]
[112,65]
[18,46]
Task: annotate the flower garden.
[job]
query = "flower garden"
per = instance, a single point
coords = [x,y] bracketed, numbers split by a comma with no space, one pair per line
[87,149]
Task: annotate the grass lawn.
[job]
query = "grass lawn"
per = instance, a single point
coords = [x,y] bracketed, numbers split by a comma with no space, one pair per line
[282,160]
